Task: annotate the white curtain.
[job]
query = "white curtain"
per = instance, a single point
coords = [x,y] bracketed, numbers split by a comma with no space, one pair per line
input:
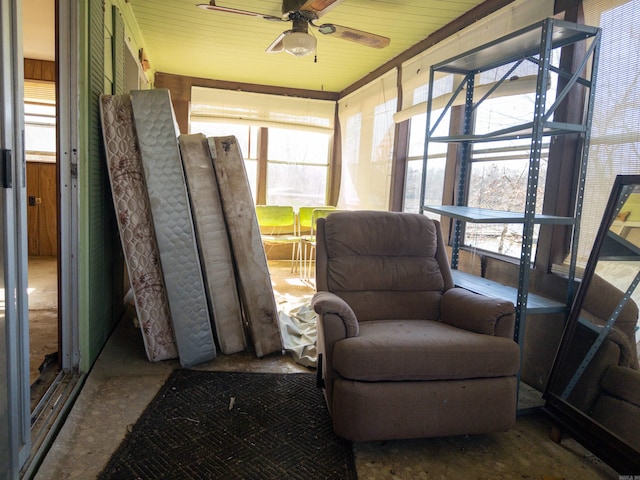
[366,121]
[261,109]
[415,72]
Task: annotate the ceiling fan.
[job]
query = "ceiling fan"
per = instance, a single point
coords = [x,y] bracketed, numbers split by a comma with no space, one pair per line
[303,13]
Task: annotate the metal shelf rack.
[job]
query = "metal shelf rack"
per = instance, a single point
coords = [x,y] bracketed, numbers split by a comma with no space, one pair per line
[535,44]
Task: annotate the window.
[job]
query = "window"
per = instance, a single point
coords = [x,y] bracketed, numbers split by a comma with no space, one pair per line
[615,134]
[40,121]
[297,161]
[436,164]
[499,174]
[297,132]
[487,164]
[297,167]
[247,140]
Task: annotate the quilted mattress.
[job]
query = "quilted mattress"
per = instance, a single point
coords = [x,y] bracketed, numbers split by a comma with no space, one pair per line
[213,243]
[133,214]
[158,141]
[254,280]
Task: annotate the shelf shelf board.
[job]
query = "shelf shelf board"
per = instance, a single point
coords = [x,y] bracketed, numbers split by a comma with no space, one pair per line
[489,288]
[520,44]
[529,399]
[518,132]
[483,215]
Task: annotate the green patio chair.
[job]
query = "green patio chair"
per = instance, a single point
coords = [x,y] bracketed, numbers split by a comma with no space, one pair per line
[278,227]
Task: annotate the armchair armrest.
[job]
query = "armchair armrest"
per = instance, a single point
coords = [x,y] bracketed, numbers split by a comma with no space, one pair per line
[329,303]
[623,383]
[477,313]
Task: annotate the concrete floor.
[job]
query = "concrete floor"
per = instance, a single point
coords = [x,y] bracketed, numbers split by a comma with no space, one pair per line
[123,382]
[43,312]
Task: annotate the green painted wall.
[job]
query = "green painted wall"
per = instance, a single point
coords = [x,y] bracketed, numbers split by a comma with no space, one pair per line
[96,319]
[104,26]
[100,256]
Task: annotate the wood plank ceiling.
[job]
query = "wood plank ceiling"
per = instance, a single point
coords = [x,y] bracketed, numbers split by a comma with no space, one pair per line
[182,39]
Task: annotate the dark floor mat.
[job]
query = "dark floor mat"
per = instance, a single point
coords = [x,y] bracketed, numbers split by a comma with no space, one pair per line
[229,425]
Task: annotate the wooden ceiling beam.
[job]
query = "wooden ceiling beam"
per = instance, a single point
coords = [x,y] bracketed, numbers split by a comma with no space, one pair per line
[180,87]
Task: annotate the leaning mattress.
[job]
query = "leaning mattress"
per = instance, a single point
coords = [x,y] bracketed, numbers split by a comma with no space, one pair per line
[133,214]
[157,137]
[256,290]
[213,242]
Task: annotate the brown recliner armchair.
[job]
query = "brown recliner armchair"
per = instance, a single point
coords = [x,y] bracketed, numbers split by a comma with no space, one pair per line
[404,354]
[609,388]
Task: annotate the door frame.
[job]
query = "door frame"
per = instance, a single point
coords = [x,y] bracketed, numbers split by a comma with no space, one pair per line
[68,106]
[14,237]
[69,15]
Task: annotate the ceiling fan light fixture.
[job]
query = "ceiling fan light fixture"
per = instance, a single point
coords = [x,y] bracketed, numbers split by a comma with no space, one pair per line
[299,44]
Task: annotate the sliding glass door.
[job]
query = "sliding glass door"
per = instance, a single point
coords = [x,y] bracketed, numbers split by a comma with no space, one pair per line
[14,385]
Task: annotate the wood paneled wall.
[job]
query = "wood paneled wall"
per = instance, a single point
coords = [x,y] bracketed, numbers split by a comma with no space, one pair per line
[42,216]
[39,70]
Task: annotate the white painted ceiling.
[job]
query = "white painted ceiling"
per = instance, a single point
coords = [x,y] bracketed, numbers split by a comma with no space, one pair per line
[180,38]
[186,40]
[38,29]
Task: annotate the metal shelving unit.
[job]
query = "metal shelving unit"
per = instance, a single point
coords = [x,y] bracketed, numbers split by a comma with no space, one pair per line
[531,44]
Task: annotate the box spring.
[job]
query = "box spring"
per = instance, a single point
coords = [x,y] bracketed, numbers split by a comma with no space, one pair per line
[254,281]
[213,242]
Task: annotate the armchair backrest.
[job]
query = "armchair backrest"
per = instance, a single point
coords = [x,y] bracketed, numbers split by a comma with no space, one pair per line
[601,301]
[385,265]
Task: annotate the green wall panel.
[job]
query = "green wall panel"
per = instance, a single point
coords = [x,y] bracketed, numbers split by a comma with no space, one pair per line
[97,292]
[118,51]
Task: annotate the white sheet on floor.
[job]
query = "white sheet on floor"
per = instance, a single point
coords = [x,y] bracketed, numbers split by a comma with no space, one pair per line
[298,328]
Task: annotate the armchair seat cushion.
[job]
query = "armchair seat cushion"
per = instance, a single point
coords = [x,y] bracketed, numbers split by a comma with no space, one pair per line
[400,350]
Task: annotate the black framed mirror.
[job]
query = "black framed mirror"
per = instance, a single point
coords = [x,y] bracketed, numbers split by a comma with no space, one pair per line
[593,392]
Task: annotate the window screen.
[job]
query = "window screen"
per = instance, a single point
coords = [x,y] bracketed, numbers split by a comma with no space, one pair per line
[615,134]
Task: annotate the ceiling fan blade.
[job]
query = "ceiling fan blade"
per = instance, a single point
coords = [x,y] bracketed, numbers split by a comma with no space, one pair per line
[212,6]
[319,7]
[277,45]
[358,36]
